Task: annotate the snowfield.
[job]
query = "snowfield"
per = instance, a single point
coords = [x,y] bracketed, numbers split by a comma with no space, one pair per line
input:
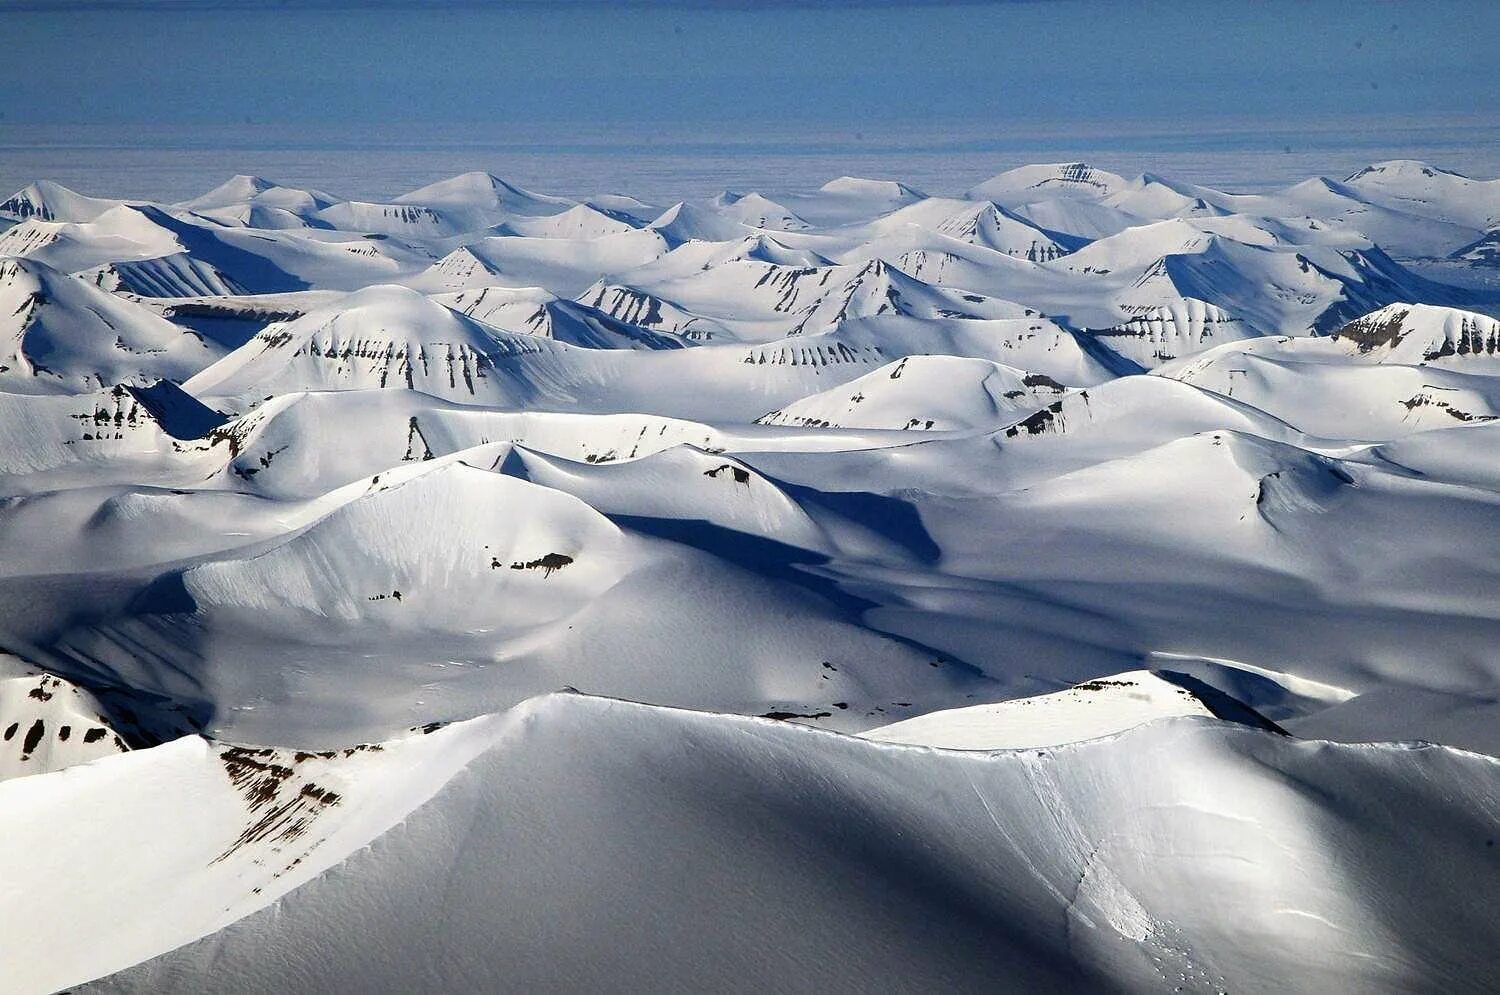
[1078,583]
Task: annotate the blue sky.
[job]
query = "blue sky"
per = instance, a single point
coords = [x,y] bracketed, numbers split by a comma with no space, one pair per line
[1061,64]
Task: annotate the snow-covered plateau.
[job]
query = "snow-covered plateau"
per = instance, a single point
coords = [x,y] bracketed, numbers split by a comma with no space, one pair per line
[1078,583]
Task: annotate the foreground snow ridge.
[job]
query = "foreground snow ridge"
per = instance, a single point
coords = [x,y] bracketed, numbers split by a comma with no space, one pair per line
[1056,586]
[1180,852]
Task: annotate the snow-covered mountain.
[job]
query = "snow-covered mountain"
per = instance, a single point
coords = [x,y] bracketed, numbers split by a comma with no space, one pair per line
[1185,853]
[1035,588]
[940,393]
[63,335]
[45,200]
[1055,181]
[1416,188]
[1420,333]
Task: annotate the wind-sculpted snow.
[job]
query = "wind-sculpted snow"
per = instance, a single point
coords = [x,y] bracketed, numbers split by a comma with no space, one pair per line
[1189,854]
[1012,547]
[433,528]
[1089,710]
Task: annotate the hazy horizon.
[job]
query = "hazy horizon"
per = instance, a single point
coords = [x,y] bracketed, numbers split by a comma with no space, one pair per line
[165,98]
[685,161]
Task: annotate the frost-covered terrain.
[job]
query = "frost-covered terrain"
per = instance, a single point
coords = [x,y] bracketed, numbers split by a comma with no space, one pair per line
[1079,582]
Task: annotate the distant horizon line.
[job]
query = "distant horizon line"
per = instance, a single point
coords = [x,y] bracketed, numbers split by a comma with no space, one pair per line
[212,183]
[1039,125]
[170,163]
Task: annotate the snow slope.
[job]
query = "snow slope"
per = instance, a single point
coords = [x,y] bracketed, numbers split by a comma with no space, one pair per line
[1103,707]
[1187,853]
[1056,181]
[923,392]
[49,723]
[61,335]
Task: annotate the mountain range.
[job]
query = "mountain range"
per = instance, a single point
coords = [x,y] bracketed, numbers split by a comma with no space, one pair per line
[1079,582]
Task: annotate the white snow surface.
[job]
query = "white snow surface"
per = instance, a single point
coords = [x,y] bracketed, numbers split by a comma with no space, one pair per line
[1096,708]
[1042,588]
[600,844]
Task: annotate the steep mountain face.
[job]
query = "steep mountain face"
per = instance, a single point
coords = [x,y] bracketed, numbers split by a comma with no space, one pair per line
[1155,335]
[48,201]
[1024,343]
[579,325]
[409,220]
[756,296]
[646,311]
[460,269]
[590,324]
[377,337]
[177,275]
[60,335]
[1058,576]
[876,289]
[1419,333]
